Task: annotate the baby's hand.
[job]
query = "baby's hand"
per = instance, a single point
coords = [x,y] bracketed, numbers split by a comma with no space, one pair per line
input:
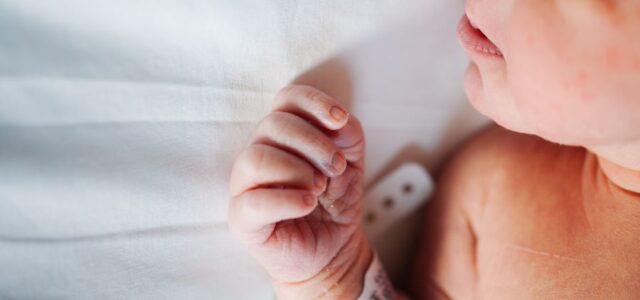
[296,193]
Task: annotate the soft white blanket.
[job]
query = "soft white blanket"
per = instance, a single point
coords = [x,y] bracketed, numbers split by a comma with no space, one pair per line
[119,121]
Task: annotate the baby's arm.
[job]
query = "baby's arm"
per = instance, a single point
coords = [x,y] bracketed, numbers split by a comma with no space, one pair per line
[296,197]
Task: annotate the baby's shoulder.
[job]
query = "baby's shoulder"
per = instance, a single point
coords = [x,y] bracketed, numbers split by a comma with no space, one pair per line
[502,162]
[495,150]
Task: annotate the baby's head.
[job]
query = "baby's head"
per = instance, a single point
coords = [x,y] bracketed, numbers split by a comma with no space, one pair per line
[566,70]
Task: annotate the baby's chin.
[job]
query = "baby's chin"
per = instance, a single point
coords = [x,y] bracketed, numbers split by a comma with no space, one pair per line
[473,86]
[502,114]
[507,115]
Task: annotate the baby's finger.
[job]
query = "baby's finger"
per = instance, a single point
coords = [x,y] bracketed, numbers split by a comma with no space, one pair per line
[251,213]
[292,133]
[266,166]
[350,139]
[312,105]
[342,197]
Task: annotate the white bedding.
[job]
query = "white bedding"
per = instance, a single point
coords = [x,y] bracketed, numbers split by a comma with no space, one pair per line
[119,122]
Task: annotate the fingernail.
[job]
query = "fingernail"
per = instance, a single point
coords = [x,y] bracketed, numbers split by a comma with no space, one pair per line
[338,113]
[338,162]
[309,200]
[319,180]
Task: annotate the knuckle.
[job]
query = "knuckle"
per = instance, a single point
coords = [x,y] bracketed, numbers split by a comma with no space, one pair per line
[306,92]
[295,132]
[255,155]
[250,160]
[287,94]
[315,96]
[274,122]
[265,122]
[287,90]
[324,145]
[292,127]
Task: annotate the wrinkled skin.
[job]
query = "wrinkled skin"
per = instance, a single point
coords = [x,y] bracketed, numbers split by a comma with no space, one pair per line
[515,216]
[522,217]
[296,196]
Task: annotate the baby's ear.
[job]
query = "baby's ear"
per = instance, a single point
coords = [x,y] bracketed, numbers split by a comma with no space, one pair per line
[350,139]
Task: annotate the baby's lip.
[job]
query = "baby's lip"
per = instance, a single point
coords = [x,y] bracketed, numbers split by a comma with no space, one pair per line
[472,39]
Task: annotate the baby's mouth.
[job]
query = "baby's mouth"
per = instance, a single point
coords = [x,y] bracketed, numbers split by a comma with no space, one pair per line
[473,39]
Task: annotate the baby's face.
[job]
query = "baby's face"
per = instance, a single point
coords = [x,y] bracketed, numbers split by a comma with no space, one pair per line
[566,70]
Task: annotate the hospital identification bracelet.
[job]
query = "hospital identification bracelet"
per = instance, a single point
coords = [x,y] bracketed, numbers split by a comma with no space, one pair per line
[377,285]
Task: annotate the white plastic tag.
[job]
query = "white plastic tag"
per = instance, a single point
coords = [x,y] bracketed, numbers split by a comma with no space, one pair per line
[396,196]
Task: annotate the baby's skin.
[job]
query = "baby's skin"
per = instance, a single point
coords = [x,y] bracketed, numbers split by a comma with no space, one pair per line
[544,205]
[296,197]
[517,217]
[555,216]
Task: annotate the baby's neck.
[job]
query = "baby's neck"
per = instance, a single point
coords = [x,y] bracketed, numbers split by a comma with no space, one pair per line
[621,164]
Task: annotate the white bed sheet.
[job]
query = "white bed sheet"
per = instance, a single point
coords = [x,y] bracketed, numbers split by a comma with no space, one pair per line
[119,122]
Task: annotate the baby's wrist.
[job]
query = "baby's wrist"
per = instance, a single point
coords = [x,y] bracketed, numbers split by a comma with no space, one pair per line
[342,278]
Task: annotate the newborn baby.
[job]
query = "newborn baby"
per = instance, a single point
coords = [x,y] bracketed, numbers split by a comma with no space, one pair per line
[544,206]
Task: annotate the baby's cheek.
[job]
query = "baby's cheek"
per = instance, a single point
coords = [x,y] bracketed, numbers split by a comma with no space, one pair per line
[574,87]
[542,79]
